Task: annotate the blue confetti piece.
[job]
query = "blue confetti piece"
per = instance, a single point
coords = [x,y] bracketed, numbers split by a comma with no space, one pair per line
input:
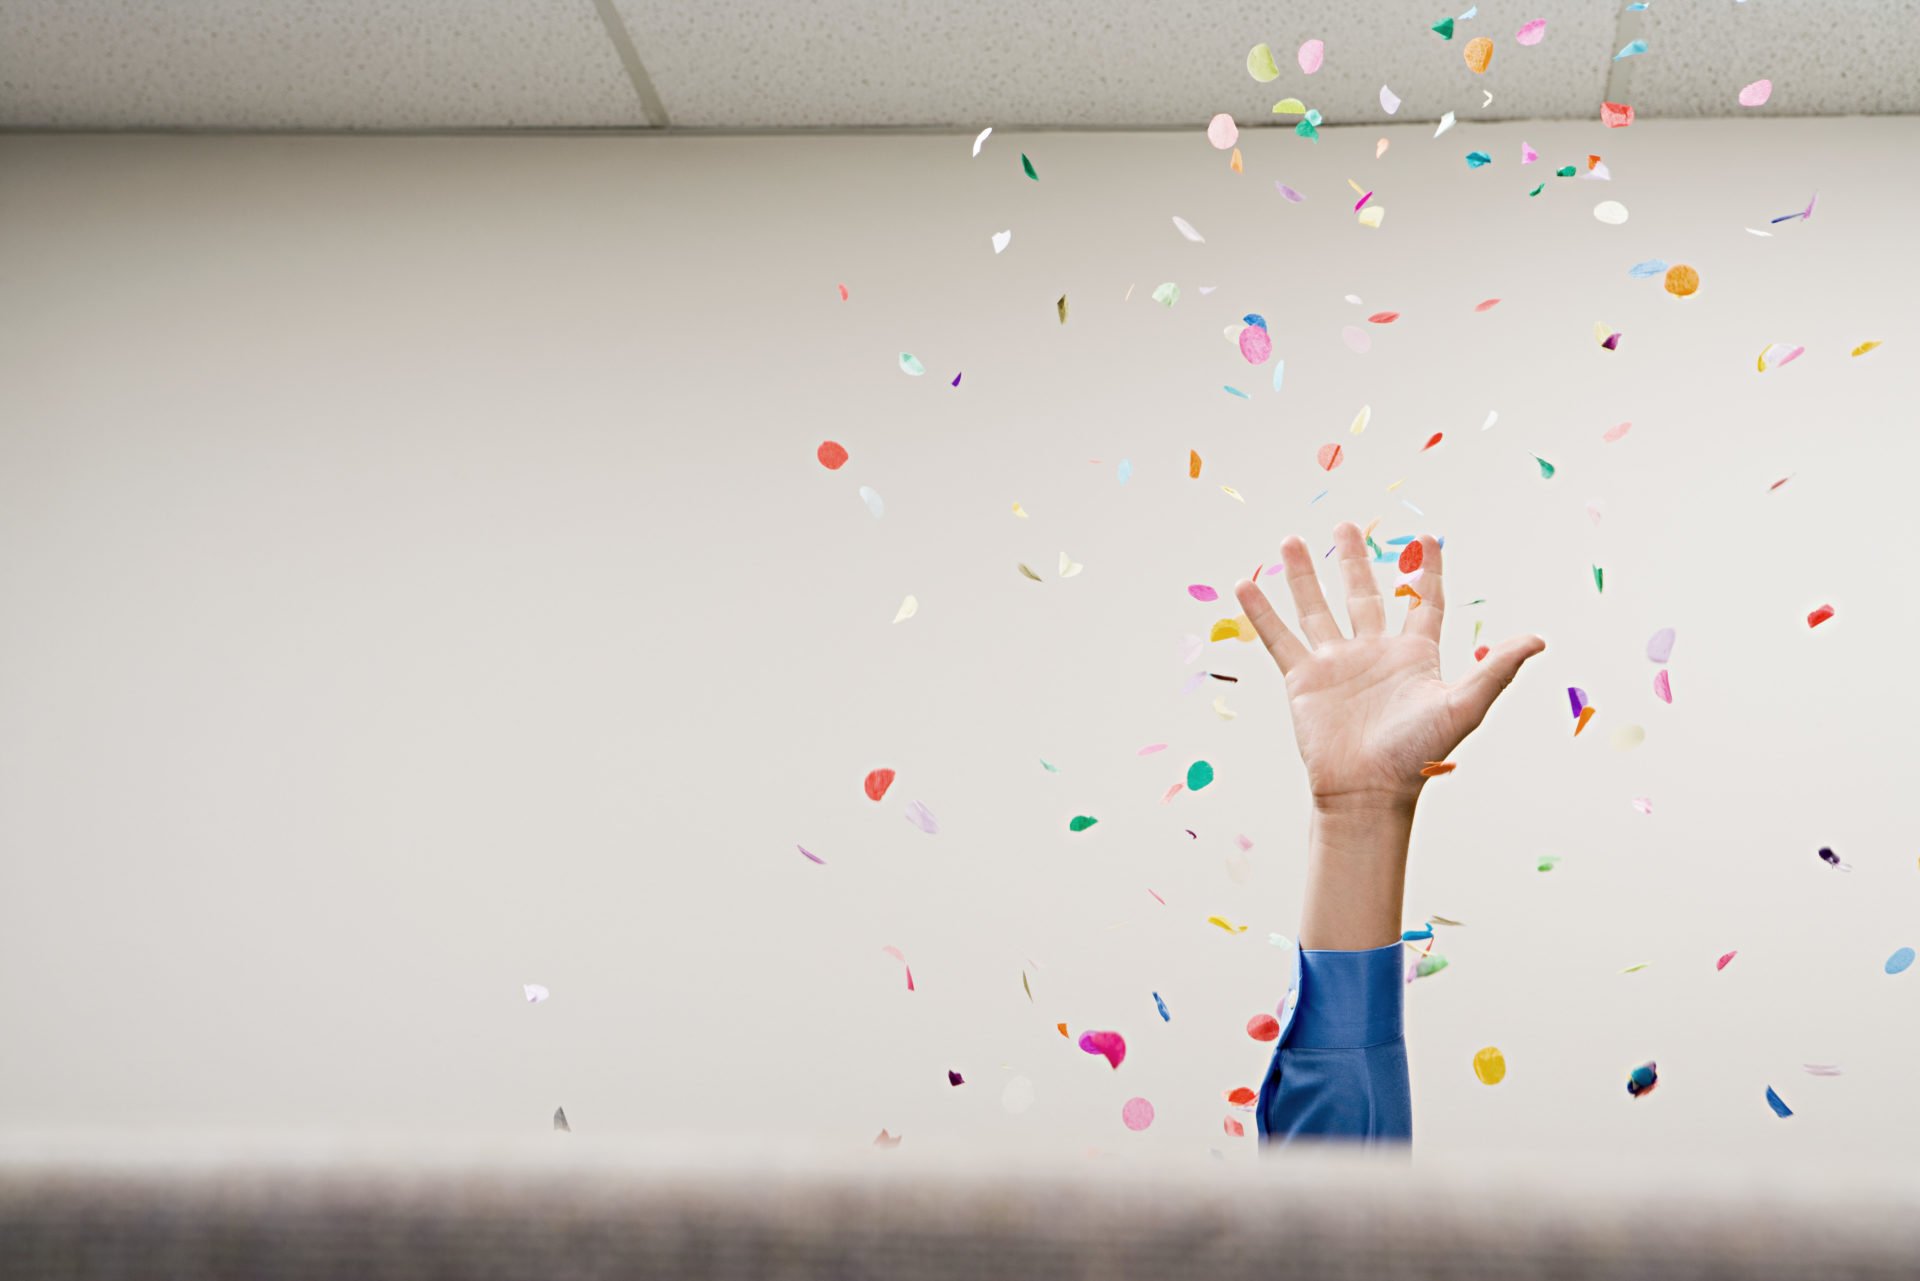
[1322,494]
[1473,12]
[1414,936]
[1164,1016]
[1632,49]
[1255,318]
[1234,391]
[1900,960]
[1279,372]
[1778,1105]
[1125,470]
[1637,8]
[1647,270]
[1475,159]
[1402,541]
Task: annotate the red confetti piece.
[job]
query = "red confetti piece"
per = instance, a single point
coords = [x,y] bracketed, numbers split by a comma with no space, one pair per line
[1434,769]
[1432,441]
[1776,484]
[878,782]
[1615,115]
[1721,964]
[1480,654]
[1614,433]
[1412,556]
[832,455]
[1383,317]
[1240,1096]
[1330,456]
[1486,305]
[843,293]
[1819,616]
[1263,1027]
[1234,1129]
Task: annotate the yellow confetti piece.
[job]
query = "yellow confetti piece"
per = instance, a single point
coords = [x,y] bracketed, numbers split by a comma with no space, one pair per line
[1864,348]
[1225,629]
[1232,493]
[1226,925]
[1068,566]
[1361,419]
[1600,332]
[1371,216]
[1289,107]
[1030,574]
[1020,511]
[1222,710]
[1358,190]
[1235,164]
[1396,484]
[908,608]
[1635,969]
[1490,1065]
[1260,64]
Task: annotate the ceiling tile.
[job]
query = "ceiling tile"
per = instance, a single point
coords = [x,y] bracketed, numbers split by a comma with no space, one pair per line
[844,63]
[320,64]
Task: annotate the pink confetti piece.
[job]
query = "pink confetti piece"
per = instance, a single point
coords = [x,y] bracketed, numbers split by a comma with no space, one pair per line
[1151,748]
[1137,1114]
[1288,193]
[1312,54]
[922,817]
[1361,203]
[1110,1045]
[1173,791]
[900,956]
[810,854]
[1660,645]
[1662,687]
[1486,304]
[1329,456]
[1614,433]
[1234,1129]
[1256,344]
[843,293]
[1243,842]
[1191,647]
[1527,154]
[1644,804]
[1756,94]
[1200,591]
[1162,902]
[1357,339]
[1222,132]
[1821,1069]
[1616,115]
[1532,33]
[1721,964]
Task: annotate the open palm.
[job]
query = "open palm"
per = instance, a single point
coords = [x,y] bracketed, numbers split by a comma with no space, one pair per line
[1371,710]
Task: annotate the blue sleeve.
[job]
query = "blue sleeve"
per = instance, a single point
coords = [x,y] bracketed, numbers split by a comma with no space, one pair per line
[1339,1067]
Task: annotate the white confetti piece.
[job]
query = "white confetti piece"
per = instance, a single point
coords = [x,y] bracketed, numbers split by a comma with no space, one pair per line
[908,608]
[1389,100]
[1446,123]
[1611,212]
[873,502]
[1185,228]
[1068,566]
[1001,239]
[535,993]
[981,141]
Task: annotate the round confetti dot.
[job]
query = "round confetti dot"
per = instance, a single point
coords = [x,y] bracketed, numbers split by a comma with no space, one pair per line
[1312,54]
[1756,94]
[1200,773]
[1611,212]
[1263,1027]
[1900,960]
[832,455]
[1256,344]
[1479,55]
[1490,1065]
[1329,457]
[1412,556]
[1682,280]
[1136,1114]
[1222,132]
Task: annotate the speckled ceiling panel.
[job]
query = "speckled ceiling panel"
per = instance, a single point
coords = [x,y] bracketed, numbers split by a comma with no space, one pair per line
[1824,58]
[309,64]
[794,64]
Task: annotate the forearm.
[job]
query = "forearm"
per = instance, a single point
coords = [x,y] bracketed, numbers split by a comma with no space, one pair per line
[1356,873]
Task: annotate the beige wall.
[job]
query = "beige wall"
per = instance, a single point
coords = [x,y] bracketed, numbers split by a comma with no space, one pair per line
[417,581]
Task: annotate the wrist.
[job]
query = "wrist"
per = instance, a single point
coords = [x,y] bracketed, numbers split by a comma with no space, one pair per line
[1392,807]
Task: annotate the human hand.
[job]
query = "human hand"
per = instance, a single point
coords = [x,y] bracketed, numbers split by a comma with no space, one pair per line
[1371,709]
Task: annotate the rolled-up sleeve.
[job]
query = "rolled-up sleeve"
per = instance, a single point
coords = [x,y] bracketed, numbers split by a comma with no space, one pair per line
[1339,1068]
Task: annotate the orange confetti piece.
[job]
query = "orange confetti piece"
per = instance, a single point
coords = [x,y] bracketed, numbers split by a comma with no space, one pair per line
[1235,164]
[1586,714]
[1434,769]
[1431,442]
[1682,280]
[1404,590]
[1193,465]
[1240,1096]
[1478,55]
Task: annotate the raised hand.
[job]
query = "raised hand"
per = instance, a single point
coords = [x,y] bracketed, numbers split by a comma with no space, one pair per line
[1370,710]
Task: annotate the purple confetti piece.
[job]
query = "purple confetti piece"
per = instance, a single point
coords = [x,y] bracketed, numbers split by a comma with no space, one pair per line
[1578,697]
[1612,343]
[1660,645]
[956,380]
[954,1078]
[810,854]
[922,817]
[1288,193]
[1110,1044]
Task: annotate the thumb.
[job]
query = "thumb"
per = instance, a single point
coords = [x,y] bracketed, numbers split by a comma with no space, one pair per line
[1474,693]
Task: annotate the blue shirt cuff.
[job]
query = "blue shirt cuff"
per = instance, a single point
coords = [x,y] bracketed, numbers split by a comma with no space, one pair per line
[1348,1000]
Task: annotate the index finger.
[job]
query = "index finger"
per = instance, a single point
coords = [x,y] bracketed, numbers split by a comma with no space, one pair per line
[1275,634]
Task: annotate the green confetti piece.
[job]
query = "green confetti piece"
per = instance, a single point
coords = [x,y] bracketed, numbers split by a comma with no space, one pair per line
[910,364]
[1289,107]
[1199,774]
[1443,28]
[1028,166]
[1547,862]
[1167,295]
[1546,468]
[1599,579]
[1048,766]
[1476,629]
[1478,600]
[1566,172]
[1306,130]
[1537,190]
[1429,965]
[1081,822]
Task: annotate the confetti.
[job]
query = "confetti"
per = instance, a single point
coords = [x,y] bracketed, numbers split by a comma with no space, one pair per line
[922,817]
[1819,616]
[1792,354]
[560,1121]
[1478,159]
[1379,150]
[1864,348]
[1446,123]
[1167,295]
[1001,239]
[1202,592]
[1288,193]
[910,364]
[1433,440]
[1532,33]
[810,854]
[908,608]
[1049,766]
[1185,228]
[1489,1065]
[1642,1080]
[1577,697]
[1136,1114]
[1020,511]
[1778,1104]
[1478,54]
[832,455]
[1628,737]
[1611,212]
[1017,1096]
[1546,468]
[1756,94]
[1081,822]
[1222,132]
[1616,115]
[1682,281]
[1233,1128]
[1428,966]
[873,501]
[1632,49]
[877,782]
[1412,556]
[1361,419]
[1580,720]
[1260,64]
[1062,305]
[1721,964]
[1162,1007]
[1199,774]
[1226,925]
[901,957]
[1256,344]
[956,380]
[954,1078]
[1648,269]
[536,993]
[1405,590]
[1383,317]
[1026,572]
[1311,55]
[1289,107]
[1263,1027]
[1527,154]
[1900,960]
[1644,804]
[1124,472]
[1389,100]
[1193,465]
[1828,857]
[1547,862]
[1111,1045]
[1434,769]
[1068,566]
[843,293]
[1443,28]
[1357,339]
[1372,216]
[1662,686]
[1027,165]
[1660,645]
[981,141]
[1599,580]
[1821,1069]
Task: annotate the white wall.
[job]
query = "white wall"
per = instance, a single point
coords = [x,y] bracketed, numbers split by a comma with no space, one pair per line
[418,581]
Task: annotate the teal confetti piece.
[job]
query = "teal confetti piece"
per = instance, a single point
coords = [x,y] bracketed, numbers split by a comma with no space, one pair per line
[1234,391]
[1633,49]
[1027,165]
[1476,159]
[1199,774]
[1443,28]
[1306,130]
[1081,822]
[1537,190]
[1565,171]
[1599,579]
[1546,468]
[1049,766]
